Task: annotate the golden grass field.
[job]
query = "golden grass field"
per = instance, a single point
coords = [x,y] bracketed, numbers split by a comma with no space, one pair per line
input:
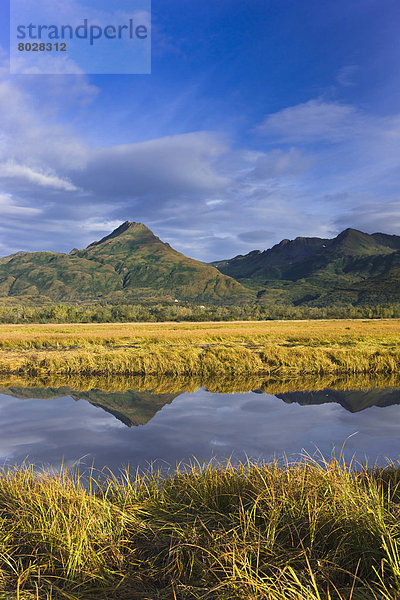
[273,348]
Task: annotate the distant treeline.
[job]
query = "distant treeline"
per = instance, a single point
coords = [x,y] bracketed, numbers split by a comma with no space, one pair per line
[107,313]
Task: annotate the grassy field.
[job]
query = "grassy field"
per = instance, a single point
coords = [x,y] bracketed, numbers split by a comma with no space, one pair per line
[273,348]
[303,531]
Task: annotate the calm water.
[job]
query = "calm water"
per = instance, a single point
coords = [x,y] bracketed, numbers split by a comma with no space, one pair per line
[52,426]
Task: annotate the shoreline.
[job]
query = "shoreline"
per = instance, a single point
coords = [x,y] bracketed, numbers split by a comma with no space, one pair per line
[169,384]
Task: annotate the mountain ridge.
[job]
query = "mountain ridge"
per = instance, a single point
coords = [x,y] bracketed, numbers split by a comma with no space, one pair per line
[132,264]
[355,266]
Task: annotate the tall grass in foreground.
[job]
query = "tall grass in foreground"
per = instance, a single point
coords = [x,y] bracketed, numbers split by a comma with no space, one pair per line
[310,530]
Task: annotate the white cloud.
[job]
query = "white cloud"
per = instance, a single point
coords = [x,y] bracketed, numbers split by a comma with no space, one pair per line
[26,63]
[94,225]
[9,207]
[372,217]
[11,169]
[30,131]
[165,166]
[280,163]
[315,120]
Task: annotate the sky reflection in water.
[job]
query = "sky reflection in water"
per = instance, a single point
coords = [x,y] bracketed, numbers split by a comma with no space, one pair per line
[199,424]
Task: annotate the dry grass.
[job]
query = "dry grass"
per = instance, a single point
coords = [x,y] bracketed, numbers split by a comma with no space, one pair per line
[204,349]
[294,332]
[312,530]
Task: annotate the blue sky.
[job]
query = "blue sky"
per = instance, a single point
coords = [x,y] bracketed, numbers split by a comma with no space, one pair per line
[261,120]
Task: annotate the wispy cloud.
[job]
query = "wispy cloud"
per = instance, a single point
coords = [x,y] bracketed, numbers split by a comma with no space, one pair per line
[347,75]
[10,207]
[315,120]
[12,170]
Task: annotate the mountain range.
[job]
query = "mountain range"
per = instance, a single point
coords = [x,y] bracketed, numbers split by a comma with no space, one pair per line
[353,267]
[132,264]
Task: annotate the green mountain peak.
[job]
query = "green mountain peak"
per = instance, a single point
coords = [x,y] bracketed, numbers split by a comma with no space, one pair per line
[352,241]
[126,227]
[130,264]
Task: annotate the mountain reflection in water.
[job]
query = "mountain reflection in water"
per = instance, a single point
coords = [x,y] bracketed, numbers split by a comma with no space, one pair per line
[113,425]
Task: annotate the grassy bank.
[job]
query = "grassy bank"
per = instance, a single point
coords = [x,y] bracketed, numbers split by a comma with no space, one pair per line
[305,531]
[278,348]
[165,384]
